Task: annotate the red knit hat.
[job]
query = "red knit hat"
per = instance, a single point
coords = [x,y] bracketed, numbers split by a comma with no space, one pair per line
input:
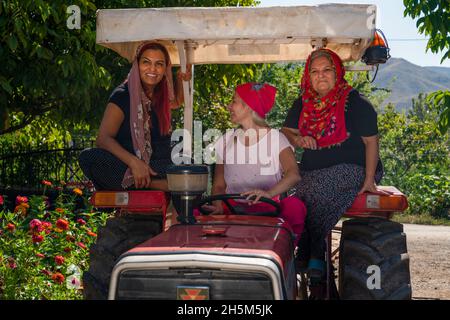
[260,97]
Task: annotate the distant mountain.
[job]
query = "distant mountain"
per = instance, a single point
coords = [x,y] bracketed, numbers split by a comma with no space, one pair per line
[407,80]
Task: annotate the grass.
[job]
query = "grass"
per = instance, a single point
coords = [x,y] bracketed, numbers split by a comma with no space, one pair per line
[426,219]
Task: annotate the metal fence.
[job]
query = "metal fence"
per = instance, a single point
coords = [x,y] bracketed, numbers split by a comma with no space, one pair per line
[25,168]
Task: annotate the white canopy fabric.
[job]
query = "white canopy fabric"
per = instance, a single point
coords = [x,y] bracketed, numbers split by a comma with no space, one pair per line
[241,34]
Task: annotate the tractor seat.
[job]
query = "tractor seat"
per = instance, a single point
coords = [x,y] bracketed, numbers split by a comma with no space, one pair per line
[370,204]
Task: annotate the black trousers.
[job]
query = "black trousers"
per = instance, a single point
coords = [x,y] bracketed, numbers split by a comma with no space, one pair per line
[106,171]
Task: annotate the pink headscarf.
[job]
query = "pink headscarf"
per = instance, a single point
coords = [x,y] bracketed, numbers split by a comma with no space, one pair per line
[140,109]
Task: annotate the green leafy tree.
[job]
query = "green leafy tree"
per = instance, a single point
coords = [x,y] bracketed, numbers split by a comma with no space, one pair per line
[49,69]
[416,158]
[434,22]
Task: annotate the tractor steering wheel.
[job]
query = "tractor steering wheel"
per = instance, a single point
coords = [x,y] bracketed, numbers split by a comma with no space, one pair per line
[239,210]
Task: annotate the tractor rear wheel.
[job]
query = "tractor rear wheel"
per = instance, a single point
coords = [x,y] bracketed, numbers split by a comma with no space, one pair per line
[117,236]
[373,260]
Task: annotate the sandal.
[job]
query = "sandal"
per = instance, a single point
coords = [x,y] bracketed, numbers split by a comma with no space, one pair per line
[316,271]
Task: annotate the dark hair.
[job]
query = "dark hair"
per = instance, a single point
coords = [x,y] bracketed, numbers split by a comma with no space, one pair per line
[160,94]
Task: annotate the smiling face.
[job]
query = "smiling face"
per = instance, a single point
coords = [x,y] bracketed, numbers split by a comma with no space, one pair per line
[322,75]
[152,66]
[239,111]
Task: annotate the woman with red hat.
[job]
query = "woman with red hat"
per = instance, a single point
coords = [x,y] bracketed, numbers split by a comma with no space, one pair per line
[337,128]
[255,160]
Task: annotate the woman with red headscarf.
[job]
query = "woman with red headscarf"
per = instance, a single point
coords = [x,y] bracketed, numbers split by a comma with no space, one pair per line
[337,128]
[134,136]
[256,161]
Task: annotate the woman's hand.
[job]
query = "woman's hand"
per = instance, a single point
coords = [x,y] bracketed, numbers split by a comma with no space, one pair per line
[370,186]
[306,142]
[185,76]
[215,208]
[142,174]
[257,193]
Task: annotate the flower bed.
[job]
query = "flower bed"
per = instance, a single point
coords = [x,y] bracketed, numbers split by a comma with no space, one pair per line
[43,251]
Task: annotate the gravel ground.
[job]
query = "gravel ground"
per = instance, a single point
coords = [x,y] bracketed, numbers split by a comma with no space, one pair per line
[429,254]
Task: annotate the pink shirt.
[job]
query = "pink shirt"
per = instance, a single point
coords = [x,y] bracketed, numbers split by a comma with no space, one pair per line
[256,166]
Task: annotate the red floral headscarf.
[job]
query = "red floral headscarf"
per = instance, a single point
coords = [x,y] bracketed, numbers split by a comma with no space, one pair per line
[324,118]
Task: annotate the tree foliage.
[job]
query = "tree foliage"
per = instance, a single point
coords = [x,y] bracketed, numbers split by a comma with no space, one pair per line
[433,20]
[416,158]
[50,69]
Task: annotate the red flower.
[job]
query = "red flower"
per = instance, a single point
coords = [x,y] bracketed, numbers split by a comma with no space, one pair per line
[81,245]
[11,227]
[37,238]
[46,183]
[59,260]
[58,277]
[67,249]
[12,264]
[81,221]
[20,199]
[1,200]
[40,255]
[92,234]
[46,272]
[47,226]
[36,225]
[62,224]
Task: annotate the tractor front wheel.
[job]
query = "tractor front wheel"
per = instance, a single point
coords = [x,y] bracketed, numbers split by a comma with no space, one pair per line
[117,236]
[373,260]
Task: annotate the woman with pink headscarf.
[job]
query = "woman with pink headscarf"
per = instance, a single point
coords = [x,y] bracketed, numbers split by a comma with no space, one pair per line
[133,152]
[134,136]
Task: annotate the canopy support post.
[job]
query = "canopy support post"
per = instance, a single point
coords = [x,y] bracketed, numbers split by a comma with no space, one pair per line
[185,53]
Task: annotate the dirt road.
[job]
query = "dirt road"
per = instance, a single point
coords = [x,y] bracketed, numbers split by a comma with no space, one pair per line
[429,253]
[429,264]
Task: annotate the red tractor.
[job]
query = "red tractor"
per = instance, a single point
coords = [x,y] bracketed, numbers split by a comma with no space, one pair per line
[238,256]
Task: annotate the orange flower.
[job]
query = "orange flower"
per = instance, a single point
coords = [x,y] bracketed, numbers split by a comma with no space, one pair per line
[62,224]
[92,234]
[78,192]
[11,227]
[22,208]
[46,183]
[59,210]
[58,277]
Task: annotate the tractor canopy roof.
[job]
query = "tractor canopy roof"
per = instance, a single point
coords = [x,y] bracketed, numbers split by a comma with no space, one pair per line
[230,35]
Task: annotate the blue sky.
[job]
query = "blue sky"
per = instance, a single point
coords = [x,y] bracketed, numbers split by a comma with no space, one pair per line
[395,26]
